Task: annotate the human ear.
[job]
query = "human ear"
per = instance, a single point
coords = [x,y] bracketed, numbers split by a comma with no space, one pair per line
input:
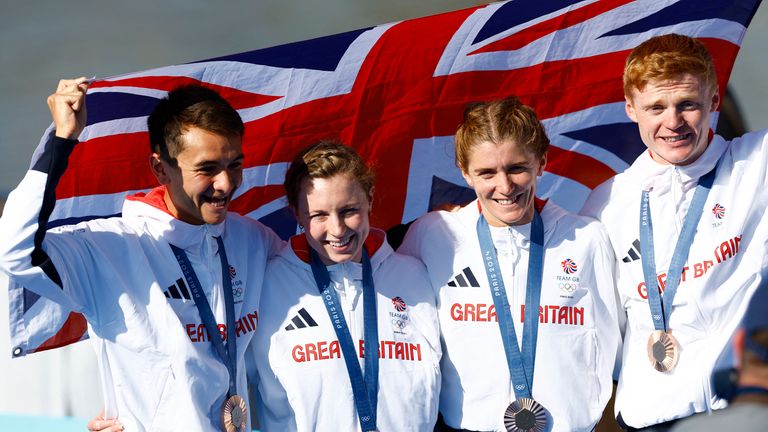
[467,178]
[370,200]
[630,109]
[159,168]
[715,100]
[542,164]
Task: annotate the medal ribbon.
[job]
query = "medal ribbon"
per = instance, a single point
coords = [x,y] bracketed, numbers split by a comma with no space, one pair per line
[521,364]
[365,391]
[229,357]
[660,312]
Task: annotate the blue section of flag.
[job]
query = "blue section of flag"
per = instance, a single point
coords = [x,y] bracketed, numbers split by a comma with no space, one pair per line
[740,11]
[620,139]
[445,192]
[322,53]
[115,105]
[282,222]
[30,298]
[519,12]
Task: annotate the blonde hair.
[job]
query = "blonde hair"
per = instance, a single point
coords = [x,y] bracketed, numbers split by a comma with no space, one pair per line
[326,159]
[666,57]
[496,122]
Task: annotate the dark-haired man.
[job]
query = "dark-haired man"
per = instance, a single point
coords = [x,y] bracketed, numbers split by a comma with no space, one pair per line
[171,288]
[686,219]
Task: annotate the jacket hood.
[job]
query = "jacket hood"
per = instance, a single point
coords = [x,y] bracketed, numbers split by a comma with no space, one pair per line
[150,209]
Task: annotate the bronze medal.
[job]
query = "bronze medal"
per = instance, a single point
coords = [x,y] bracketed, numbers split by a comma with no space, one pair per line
[234,415]
[525,415]
[663,350]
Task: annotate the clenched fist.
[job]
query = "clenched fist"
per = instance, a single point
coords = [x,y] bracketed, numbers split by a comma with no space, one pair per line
[67,107]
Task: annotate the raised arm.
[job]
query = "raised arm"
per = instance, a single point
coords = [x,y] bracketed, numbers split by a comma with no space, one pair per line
[25,219]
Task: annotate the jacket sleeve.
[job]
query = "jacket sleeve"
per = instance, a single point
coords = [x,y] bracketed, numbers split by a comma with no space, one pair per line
[23,254]
[272,403]
[611,316]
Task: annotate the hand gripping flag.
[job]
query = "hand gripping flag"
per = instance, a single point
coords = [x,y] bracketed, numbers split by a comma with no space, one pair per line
[395,92]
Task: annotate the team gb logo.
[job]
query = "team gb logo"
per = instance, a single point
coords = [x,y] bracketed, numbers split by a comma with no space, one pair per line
[718,211]
[569,266]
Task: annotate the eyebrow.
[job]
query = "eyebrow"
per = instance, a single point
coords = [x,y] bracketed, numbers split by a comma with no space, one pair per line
[204,163]
[523,164]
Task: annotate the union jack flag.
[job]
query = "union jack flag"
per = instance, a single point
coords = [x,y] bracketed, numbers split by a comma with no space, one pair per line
[569,266]
[395,92]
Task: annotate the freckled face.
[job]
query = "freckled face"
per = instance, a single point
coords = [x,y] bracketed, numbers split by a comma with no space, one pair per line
[673,117]
[335,214]
[504,178]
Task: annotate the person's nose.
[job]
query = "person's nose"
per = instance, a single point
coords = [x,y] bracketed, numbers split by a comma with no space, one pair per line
[673,118]
[504,184]
[336,226]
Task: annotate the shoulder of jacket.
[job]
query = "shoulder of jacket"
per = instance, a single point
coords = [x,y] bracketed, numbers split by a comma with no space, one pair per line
[396,261]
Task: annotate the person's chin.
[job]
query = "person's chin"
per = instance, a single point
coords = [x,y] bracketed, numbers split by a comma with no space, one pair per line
[680,156]
[215,218]
[681,153]
[337,258]
[515,218]
[506,216]
[342,255]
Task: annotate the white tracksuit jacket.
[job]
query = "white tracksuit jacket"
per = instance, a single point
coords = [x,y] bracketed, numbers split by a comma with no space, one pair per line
[159,369]
[722,271]
[303,380]
[578,335]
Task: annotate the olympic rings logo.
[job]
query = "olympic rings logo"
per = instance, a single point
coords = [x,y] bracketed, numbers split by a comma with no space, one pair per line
[237,292]
[568,287]
[398,323]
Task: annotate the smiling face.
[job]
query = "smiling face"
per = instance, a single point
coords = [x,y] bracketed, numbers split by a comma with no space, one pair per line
[504,179]
[334,212]
[208,171]
[673,117]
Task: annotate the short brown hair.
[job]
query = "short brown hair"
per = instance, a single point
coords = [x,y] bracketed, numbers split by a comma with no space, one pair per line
[186,107]
[496,122]
[325,159]
[667,57]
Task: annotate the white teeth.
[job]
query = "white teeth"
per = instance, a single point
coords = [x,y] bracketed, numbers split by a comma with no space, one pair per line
[339,244]
[676,138]
[507,201]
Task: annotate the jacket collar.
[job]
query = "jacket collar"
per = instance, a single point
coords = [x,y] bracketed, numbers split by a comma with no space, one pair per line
[150,209]
[652,175]
[549,211]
